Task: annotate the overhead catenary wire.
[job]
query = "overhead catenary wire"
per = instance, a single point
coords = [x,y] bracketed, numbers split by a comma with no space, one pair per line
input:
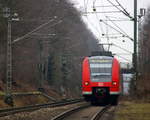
[118,27]
[107,36]
[115,6]
[123,11]
[86,4]
[114,34]
[122,31]
[106,27]
[116,30]
[94,3]
[112,44]
[123,53]
[112,24]
[109,19]
[118,18]
[122,48]
[105,6]
[93,25]
[113,37]
[89,22]
[127,13]
[101,27]
[124,58]
[98,12]
[36,29]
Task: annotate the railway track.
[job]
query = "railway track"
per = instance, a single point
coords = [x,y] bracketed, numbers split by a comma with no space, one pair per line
[5,112]
[69,112]
[77,113]
[100,113]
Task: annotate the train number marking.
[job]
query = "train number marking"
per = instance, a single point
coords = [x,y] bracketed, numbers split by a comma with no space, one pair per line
[100,84]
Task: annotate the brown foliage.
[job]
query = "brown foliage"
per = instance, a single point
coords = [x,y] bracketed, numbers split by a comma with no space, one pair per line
[144,57]
[72,39]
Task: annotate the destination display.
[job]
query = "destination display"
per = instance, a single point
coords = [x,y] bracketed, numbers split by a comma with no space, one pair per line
[100,61]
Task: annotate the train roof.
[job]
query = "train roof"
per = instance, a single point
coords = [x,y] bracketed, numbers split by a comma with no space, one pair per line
[101,57]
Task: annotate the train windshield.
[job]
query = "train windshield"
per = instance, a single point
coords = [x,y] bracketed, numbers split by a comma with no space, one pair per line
[101,70]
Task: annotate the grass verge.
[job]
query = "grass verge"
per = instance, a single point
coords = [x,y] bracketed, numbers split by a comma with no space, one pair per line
[128,110]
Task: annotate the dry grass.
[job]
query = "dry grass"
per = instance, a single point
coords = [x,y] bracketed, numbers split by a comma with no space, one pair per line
[20,101]
[133,111]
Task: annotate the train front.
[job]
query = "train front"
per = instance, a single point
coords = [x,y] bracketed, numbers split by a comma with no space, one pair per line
[101,79]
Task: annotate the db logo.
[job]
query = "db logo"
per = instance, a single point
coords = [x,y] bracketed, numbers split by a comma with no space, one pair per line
[100,84]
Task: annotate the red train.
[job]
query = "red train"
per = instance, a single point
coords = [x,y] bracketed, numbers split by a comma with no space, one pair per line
[101,79]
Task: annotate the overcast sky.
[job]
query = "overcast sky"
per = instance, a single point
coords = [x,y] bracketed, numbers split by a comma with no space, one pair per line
[107,31]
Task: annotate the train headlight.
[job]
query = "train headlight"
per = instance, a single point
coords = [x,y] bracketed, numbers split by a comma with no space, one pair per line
[114,83]
[86,83]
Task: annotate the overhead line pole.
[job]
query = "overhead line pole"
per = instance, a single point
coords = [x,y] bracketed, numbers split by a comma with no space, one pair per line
[135,38]
[9,99]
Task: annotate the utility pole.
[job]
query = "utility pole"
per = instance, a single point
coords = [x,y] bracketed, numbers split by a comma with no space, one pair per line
[135,39]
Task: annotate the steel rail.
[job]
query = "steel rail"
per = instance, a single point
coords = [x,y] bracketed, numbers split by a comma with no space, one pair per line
[69,112]
[8,111]
[100,113]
